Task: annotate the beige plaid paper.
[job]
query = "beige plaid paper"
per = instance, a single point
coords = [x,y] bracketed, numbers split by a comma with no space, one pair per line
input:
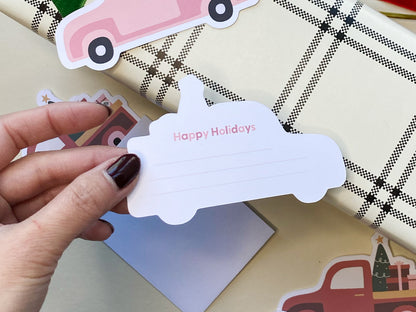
[322,66]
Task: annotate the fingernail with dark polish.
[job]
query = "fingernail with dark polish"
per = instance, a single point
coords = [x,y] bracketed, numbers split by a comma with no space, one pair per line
[124,170]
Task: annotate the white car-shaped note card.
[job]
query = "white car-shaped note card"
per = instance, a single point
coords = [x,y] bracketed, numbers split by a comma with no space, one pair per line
[231,152]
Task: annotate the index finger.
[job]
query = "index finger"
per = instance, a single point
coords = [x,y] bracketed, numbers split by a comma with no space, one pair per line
[27,128]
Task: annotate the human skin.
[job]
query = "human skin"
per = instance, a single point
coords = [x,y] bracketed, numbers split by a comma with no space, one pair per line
[49,199]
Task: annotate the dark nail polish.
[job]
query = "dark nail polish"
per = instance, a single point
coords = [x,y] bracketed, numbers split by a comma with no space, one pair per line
[124,170]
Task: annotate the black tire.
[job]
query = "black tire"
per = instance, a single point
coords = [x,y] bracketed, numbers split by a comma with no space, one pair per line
[101,42]
[220,17]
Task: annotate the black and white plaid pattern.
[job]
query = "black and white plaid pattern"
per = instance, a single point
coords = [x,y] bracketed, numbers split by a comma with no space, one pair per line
[321,66]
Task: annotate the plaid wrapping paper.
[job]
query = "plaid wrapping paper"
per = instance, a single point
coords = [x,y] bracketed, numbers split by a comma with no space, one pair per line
[331,67]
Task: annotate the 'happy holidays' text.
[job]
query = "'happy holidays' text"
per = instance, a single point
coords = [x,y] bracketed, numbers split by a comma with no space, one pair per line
[213,132]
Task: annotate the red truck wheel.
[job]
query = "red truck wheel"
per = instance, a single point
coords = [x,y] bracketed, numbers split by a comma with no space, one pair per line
[406,308]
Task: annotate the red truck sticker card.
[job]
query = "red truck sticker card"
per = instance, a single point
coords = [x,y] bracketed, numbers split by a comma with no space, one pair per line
[121,125]
[230,152]
[376,283]
[96,34]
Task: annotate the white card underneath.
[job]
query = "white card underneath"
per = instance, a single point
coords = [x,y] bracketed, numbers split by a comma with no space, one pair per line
[230,152]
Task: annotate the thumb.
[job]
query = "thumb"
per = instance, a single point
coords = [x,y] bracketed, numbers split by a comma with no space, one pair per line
[84,201]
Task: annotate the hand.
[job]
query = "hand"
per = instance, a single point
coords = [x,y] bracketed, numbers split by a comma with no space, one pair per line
[48,199]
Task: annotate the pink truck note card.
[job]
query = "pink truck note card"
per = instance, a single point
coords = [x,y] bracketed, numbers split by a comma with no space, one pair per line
[96,34]
[230,152]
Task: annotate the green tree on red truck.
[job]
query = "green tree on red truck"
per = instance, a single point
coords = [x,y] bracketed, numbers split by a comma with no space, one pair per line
[381,269]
